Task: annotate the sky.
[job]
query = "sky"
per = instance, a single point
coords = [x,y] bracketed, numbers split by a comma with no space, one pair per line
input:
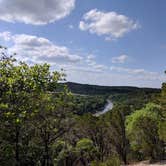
[102,42]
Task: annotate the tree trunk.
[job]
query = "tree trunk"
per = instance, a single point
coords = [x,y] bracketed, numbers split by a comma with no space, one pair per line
[125,158]
[17,147]
[46,154]
[124,150]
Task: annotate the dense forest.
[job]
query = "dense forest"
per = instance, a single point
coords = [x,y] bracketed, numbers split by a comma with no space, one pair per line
[44,122]
[106,90]
[94,97]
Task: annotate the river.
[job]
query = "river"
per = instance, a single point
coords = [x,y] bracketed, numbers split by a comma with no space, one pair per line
[107,108]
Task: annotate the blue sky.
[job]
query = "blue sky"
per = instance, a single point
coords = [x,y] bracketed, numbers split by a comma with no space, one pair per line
[104,42]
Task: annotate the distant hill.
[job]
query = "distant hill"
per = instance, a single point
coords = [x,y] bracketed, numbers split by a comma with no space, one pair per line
[87,89]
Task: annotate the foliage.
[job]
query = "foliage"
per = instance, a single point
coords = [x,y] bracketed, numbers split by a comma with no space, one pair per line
[116,123]
[30,115]
[112,161]
[84,104]
[142,130]
[86,89]
[43,124]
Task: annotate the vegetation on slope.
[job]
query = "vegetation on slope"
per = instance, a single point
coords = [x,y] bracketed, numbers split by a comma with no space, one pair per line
[39,127]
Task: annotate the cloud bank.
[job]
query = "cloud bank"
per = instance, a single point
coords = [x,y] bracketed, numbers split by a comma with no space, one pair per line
[35,12]
[39,49]
[120,59]
[78,67]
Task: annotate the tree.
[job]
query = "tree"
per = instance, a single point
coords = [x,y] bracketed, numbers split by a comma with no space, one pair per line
[162,100]
[95,129]
[51,122]
[142,131]
[85,151]
[20,87]
[162,123]
[116,123]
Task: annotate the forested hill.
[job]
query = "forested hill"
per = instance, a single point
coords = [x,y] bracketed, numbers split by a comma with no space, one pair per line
[100,90]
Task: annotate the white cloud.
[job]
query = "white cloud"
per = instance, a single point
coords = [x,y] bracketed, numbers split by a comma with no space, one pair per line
[90,59]
[5,35]
[71,26]
[128,70]
[141,74]
[111,79]
[34,11]
[120,59]
[39,49]
[79,68]
[100,67]
[34,49]
[109,24]
[85,69]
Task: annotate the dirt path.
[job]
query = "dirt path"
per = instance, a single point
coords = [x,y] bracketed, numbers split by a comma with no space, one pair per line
[145,163]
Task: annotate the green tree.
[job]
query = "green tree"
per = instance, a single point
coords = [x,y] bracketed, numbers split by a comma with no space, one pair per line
[51,122]
[20,86]
[96,130]
[85,151]
[142,130]
[117,130]
[162,123]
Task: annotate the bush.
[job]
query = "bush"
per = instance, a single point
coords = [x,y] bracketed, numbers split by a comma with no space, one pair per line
[112,161]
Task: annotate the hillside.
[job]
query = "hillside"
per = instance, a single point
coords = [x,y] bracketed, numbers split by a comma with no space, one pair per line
[106,90]
[93,98]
